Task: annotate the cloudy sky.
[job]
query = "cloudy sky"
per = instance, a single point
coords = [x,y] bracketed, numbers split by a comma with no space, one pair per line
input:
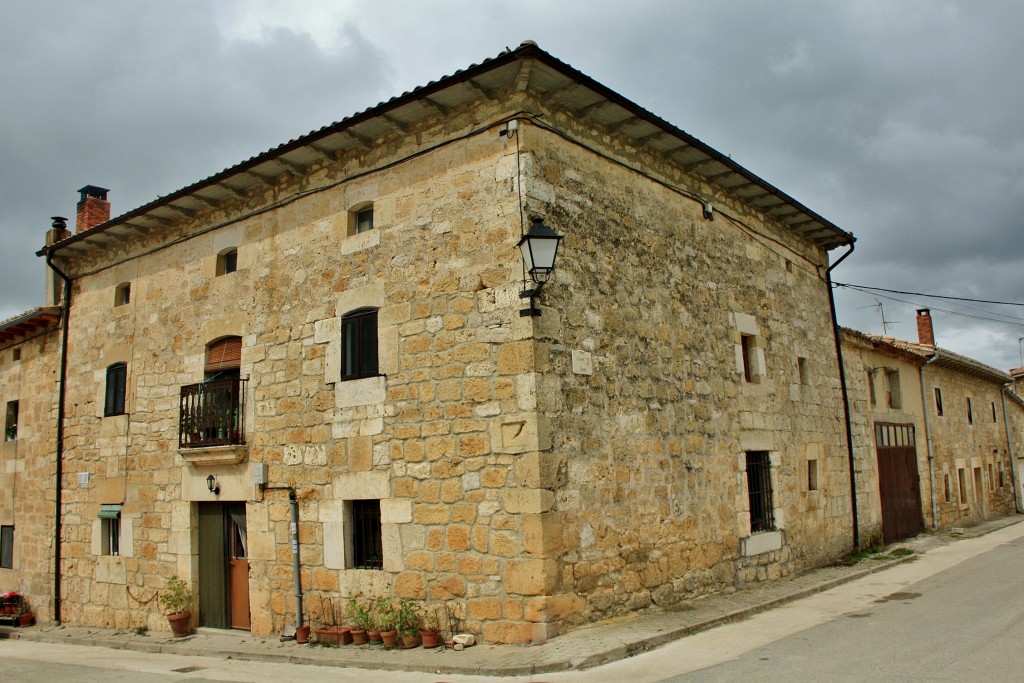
[900,121]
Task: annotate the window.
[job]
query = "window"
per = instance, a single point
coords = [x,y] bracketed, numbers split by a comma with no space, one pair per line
[801,366]
[747,348]
[1002,481]
[970,412]
[962,481]
[938,401]
[227,262]
[991,478]
[949,492]
[367,545]
[10,424]
[117,377]
[893,395]
[363,220]
[16,354]
[359,344]
[871,388]
[110,530]
[759,490]
[7,546]
[812,475]
[123,294]
[994,412]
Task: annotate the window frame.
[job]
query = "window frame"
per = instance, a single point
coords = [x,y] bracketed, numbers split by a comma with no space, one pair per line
[366,538]
[115,392]
[11,419]
[227,262]
[893,390]
[760,494]
[6,546]
[123,294]
[360,356]
[938,402]
[362,220]
[110,530]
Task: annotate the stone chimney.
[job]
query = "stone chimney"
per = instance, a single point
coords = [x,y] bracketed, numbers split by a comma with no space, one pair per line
[925,332]
[58,232]
[93,208]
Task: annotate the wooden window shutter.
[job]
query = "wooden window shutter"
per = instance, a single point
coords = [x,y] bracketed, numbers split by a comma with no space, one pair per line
[225,354]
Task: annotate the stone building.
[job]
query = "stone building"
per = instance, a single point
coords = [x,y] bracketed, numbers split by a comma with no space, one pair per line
[944,432]
[338,322]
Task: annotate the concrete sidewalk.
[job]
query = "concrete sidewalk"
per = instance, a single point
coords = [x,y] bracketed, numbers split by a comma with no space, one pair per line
[580,649]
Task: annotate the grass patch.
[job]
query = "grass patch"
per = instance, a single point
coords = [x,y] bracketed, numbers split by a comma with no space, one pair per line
[900,552]
[141,630]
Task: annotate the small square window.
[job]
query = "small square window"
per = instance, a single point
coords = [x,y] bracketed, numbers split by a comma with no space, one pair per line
[11,422]
[360,220]
[812,475]
[227,262]
[123,294]
[365,537]
[7,546]
[16,354]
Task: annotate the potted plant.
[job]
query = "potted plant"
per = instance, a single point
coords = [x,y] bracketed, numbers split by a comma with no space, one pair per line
[359,612]
[176,602]
[25,616]
[385,614]
[430,632]
[11,603]
[407,621]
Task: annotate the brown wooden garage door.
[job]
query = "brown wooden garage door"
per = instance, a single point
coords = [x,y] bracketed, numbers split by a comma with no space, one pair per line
[898,481]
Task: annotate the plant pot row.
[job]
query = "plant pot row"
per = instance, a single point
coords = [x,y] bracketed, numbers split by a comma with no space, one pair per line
[343,635]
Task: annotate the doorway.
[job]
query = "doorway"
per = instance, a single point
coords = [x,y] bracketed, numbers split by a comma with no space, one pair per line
[899,485]
[223,566]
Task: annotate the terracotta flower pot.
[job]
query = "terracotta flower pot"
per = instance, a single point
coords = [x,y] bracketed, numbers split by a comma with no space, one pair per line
[431,637]
[389,638]
[302,634]
[180,623]
[410,639]
[359,636]
[373,635]
[26,619]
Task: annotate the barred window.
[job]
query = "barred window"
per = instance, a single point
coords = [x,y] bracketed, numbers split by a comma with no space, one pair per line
[759,489]
[367,543]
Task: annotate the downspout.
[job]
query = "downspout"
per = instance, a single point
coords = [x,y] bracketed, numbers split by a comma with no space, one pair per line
[293,502]
[61,393]
[845,392]
[928,440]
[1013,458]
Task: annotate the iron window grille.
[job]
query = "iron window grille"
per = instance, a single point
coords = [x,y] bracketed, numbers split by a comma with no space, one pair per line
[759,489]
[367,545]
[359,344]
[212,414]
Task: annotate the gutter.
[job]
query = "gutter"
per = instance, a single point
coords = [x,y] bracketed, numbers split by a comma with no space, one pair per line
[1013,458]
[928,439]
[845,392]
[59,455]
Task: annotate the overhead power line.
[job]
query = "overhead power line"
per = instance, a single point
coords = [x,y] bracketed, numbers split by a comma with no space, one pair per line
[930,296]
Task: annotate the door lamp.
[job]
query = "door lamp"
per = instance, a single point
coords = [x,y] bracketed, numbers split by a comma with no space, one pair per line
[213,485]
[540,248]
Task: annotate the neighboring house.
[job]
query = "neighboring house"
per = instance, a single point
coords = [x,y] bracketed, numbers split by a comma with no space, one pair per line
[944,430]
[29,359]
[340,321]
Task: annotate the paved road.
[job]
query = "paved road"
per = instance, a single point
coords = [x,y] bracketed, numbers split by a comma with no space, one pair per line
[955,613]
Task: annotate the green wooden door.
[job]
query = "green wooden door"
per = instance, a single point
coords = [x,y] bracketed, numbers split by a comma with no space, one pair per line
[213,573]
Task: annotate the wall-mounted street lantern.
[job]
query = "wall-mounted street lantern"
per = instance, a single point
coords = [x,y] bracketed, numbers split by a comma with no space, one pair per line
[213,485]
[540,248]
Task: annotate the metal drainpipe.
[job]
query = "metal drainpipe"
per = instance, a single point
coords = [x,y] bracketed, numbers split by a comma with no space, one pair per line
[295,556]
[845,392]
[1013,458]
[61,393]
[928,439]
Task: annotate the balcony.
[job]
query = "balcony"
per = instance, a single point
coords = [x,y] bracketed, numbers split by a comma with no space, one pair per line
[213,417]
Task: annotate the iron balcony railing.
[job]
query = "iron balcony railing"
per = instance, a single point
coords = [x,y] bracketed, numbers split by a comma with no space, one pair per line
[212,414]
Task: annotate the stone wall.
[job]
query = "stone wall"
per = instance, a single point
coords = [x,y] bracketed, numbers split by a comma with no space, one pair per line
[27,466]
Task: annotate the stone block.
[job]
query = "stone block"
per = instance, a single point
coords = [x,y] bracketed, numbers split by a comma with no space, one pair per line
[362,485]
[526,501]
[531,577]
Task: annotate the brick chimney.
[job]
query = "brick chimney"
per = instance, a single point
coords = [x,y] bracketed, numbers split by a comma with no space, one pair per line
[93,208]
[925,332]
